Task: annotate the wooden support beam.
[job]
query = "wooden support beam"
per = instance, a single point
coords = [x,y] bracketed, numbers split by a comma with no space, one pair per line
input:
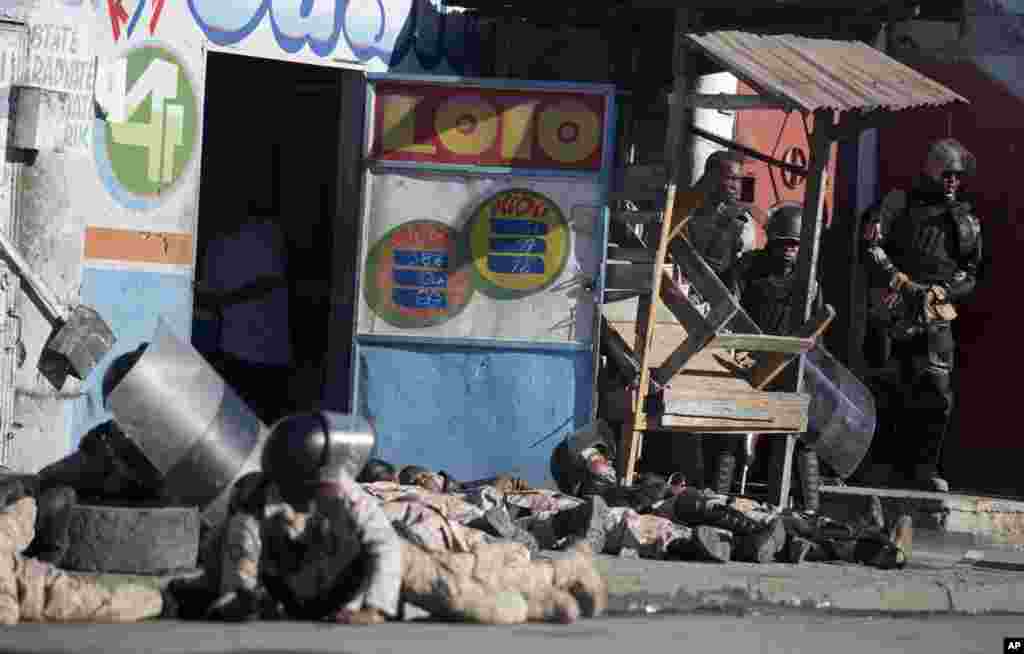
[750,152]
[807,262]
[730,102]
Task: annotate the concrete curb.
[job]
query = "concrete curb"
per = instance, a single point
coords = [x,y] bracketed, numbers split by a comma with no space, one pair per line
[686,586]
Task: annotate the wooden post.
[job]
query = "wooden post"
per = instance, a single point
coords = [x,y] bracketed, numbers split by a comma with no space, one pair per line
[807,262]
[677,152]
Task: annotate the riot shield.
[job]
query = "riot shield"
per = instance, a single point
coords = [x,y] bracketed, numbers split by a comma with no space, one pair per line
[188,423]
[841,417]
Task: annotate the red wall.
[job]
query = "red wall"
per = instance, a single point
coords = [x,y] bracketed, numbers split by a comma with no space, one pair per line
[983,450]
[774,132]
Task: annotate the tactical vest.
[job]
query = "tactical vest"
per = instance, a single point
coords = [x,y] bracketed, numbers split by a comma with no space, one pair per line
[716,233]
[769,294]
[926,242]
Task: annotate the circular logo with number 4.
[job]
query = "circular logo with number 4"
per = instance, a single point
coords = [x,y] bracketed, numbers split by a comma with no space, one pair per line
[145,142]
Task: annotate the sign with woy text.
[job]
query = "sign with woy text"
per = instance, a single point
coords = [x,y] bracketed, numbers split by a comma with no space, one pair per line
[425,123]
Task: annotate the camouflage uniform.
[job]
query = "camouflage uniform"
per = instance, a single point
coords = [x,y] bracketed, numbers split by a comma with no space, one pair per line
[33,591]
[346,554]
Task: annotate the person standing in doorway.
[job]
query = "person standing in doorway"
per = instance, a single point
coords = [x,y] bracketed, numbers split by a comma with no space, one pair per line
[246,284]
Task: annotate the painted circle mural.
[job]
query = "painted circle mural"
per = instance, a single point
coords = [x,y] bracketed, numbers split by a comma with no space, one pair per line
[519,242]
[147,142]
[412,275]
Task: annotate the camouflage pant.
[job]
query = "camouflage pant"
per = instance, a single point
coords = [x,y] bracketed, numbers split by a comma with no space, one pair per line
[33,591]
[425,525]
[498,584]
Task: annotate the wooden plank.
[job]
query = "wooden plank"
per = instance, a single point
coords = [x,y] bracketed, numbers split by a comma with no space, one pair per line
[731,102]
[634,255]
[633,442]
[807,261]
[768,365]
[708,408]
[787,412]
[789,345]
[623,275]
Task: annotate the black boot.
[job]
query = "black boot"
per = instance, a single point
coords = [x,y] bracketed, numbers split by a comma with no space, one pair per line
[584,523]
[52,522]
[497,522]
[706,544]
[754,541]
[725,473]
[810,479]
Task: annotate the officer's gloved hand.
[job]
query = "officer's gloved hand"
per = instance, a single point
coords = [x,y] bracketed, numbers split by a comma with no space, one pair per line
[360,617]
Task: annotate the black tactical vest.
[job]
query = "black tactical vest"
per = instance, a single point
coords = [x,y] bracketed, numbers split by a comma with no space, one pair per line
[717,234]
[923,243]
[769,293]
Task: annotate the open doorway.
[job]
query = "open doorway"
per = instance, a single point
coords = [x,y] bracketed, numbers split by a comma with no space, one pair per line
[274,216]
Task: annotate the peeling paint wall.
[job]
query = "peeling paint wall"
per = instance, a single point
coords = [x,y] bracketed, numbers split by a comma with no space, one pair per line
[108,217]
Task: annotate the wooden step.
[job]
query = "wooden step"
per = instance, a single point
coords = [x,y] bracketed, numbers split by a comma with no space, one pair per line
[703,411]
[633,255]
[626,276]
[763,343]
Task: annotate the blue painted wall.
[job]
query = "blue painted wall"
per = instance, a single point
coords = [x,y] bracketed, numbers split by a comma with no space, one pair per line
[473,411]
[130,301]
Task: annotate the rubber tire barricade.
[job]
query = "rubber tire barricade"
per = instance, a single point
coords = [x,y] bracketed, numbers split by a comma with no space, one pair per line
[132,540]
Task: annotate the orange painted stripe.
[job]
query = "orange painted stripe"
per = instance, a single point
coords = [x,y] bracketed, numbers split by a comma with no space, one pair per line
[139,247]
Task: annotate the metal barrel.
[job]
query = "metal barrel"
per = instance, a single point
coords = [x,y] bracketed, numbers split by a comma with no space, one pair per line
[188,423]
[841,417]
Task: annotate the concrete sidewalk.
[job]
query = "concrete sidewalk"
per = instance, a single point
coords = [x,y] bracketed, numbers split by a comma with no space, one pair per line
[936,586]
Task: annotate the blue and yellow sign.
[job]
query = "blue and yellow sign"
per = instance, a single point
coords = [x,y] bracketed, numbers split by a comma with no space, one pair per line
[519,243]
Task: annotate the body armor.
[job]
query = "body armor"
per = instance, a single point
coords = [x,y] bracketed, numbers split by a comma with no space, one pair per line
[717,234]
[769,291]
[924,243]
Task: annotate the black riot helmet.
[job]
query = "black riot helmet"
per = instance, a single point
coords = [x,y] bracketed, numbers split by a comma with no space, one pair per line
[304,450]
[784,222]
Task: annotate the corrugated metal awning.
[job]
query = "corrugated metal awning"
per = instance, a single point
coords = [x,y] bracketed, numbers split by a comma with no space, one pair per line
[822,73]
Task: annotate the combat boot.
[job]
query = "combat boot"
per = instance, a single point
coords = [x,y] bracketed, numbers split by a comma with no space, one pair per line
[902,536]
[928,479]
[54,518]
[753,540]
[725,473]
[584,523]
[810,480]
[705,544]
[497,522]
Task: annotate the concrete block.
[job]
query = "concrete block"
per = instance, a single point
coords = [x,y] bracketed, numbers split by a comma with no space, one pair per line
[995,598]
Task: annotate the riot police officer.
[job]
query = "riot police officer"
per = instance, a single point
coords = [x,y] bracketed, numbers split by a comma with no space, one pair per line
[766,283]
[923,249]
[722,228]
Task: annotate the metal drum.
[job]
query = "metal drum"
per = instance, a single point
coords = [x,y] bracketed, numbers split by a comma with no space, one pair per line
[191,426]
[841,418]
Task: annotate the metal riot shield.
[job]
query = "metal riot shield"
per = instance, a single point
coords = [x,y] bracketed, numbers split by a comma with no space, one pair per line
[191,426]
[841,417]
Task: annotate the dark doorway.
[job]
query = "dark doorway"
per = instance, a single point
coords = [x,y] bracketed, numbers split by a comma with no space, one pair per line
[275,213]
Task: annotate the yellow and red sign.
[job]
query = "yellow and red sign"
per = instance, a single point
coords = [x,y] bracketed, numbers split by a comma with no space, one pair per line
[427,123]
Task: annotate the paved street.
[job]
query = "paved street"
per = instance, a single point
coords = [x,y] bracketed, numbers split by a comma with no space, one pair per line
[695,634]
